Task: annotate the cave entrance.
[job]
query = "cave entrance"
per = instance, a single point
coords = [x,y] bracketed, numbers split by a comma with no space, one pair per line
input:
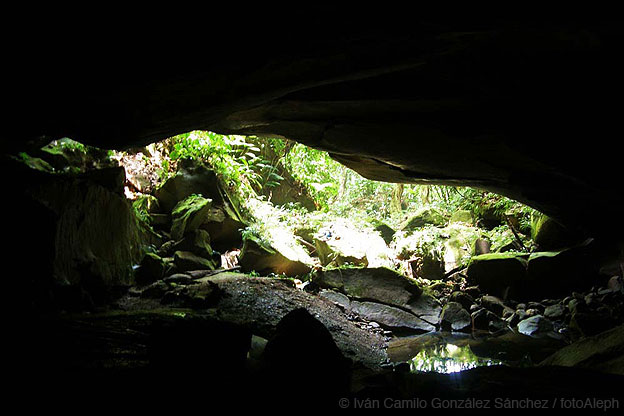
[242,231]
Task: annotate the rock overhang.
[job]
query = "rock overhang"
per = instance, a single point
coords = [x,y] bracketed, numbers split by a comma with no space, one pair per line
[527,109]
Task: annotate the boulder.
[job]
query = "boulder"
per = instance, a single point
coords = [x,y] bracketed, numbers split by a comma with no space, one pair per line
[96,237]
[224,225]
[323,363]
[188,215]
[498,274]
[335,256]
[260,257]
[463,216]
[336,297]
[462,298]
[484,319]
[495,305]
[427,266]
[601,352]
[386,232]
[455,317]
[197,242]
[481,246]
[378,284]
[422,217]
[189,181]
[152,268]
[111,178]
[390,316]
[553,274]
[179,279]
[550,235]
[555,312]
[223,220]
[536,326]
[186,261]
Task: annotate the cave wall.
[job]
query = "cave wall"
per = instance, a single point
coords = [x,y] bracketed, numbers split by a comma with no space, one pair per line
[528,108]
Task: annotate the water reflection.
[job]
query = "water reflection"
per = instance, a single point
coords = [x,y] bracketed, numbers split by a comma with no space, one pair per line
[448,358]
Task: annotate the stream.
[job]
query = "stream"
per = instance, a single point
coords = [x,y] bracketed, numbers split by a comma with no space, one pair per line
[449,352]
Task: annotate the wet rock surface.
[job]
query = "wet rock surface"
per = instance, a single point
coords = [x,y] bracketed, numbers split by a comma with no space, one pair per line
[260,303]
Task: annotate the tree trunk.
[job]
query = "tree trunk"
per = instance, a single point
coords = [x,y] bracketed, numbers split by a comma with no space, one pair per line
[397,198]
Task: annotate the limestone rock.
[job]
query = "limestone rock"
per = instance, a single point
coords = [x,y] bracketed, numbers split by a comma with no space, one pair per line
[427,266]
[494,304]
[482,319]
[96,235]
[336,297]
[329,255]
[462,298]
[260,257]
[111,178]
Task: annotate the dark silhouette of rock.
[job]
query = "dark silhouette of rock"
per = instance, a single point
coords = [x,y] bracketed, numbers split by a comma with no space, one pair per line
[302,353]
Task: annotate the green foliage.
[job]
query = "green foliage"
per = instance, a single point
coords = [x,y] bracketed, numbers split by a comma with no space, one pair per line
[235,159]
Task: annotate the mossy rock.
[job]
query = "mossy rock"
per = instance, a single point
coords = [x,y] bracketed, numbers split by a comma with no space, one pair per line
[422,217]
[260,257]
[188,215]
[35,163]
[462,216]
[306,234]
[187,261]
[196,242]
[147,203]
[224,229]
[550,235]
[189,181]
[386,232]
[330,255]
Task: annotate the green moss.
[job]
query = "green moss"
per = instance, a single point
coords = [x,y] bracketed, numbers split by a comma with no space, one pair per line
[191,203]
[188,215]
[423,217]
[464,216]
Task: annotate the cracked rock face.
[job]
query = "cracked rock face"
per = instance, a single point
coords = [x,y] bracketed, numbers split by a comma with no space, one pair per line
[523,108]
